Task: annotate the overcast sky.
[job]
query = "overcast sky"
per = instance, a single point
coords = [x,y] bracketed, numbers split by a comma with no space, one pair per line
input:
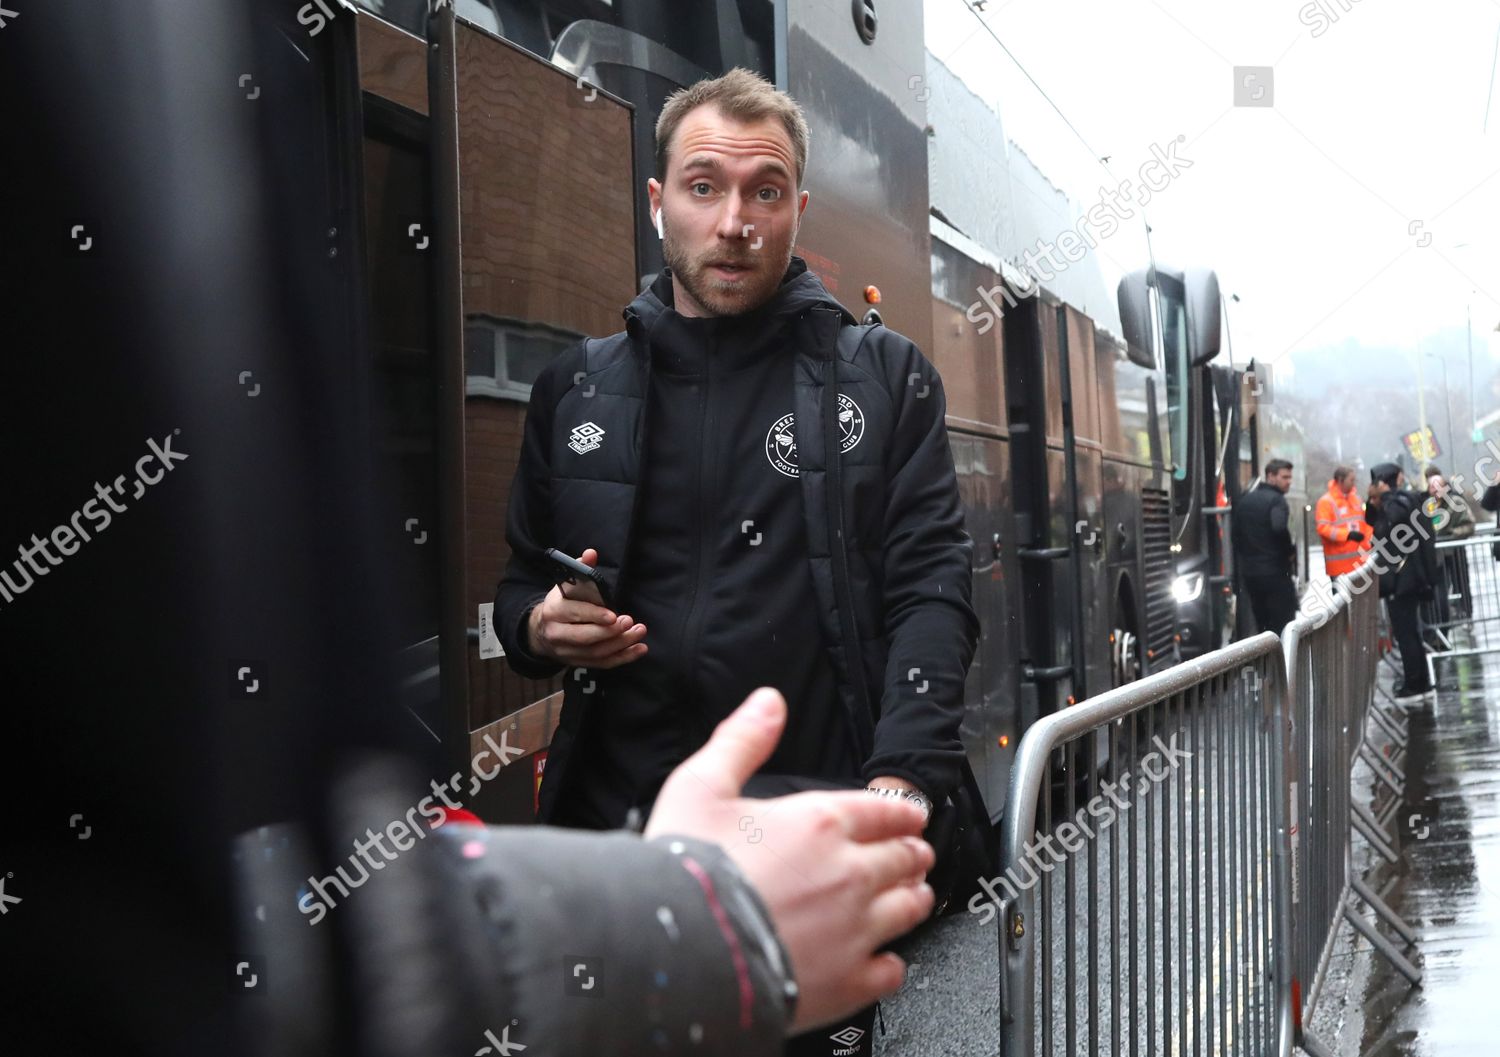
[1313,210]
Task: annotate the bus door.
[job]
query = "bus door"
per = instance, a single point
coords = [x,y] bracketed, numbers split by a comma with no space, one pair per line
[970,362]
[496,226]
[538,178]
[1088,532]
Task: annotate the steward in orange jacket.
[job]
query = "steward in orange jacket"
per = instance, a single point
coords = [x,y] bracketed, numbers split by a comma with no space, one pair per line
[1342,526]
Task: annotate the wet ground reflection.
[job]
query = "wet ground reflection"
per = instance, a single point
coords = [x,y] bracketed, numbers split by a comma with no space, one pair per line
[1447,887]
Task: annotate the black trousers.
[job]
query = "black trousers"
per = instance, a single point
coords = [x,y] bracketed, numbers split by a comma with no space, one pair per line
[1273,600]
[1406,629]
[851,1037]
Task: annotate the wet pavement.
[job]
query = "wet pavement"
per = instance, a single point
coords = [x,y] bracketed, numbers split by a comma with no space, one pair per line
[1446,886]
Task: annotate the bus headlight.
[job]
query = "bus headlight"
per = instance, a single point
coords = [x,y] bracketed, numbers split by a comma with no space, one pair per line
[1188,588]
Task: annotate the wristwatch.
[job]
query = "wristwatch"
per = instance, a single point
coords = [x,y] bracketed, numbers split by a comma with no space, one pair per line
[916,797]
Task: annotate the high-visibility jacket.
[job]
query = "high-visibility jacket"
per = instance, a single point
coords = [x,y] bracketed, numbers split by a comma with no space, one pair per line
[1340,512]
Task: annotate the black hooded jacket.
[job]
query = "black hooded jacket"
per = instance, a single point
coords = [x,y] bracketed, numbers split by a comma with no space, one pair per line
[1259,530]
[690,454]
[1406,550]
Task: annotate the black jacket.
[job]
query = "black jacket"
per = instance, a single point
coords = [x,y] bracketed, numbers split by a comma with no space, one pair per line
[1262,541]
[506,935]
[901,558]
[1408,560]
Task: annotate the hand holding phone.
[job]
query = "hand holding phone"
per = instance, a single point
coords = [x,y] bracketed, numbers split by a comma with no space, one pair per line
[574,625]
[588,582]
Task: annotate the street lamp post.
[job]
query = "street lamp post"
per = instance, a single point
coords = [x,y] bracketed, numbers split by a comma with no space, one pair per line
[1447,401]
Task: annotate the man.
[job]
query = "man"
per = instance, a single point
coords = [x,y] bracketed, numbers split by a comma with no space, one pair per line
[1264,550]
[1410,569]
[1451,520]
[1342,526]
[767,490]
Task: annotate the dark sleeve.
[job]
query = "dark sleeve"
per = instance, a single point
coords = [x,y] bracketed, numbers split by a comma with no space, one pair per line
[930,624]
[1461,523]
[1280,524]
[1421,523]
[1491,498]
[671,952]
[528,524]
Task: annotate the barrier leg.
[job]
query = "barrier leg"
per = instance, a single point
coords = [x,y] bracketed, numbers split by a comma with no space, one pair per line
[1374,835]
[1396,781]
[1384,912]
[1387,813]
[1385,723]
[1384,946]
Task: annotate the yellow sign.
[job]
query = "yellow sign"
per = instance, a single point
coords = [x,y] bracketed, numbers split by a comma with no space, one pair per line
[1422,444]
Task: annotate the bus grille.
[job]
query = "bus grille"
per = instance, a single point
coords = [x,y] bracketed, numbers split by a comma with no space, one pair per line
[1156,550]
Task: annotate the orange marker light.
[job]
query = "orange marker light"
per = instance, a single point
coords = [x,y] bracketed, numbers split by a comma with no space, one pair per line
[872,295]
[1004,740]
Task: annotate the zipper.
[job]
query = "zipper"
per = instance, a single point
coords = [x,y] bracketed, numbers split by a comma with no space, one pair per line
[692,625]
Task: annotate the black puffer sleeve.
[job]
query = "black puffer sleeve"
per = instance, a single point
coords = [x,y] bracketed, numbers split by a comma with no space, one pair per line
[930,623]
[606,944]
[528,523]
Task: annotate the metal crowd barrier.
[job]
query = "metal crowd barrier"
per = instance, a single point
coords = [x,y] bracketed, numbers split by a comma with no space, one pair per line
[1332,657]
[1177,853]
[1463,620]
[1157,928]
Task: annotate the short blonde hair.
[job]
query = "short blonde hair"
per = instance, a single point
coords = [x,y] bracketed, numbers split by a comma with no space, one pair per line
[738,94]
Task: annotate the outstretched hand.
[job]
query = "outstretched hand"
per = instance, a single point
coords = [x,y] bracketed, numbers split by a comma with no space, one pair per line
[841,872]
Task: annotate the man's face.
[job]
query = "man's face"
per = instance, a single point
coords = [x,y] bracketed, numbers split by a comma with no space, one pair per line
[730,210]
[1380,487]
[1281,480]
[1436,485]
[1345,483]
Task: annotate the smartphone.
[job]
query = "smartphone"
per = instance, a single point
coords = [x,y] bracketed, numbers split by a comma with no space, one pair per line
[569,570]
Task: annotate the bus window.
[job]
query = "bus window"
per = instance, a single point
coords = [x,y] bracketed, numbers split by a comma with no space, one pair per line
[1175,353]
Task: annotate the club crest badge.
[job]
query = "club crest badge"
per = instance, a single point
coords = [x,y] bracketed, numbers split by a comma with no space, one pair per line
[781,438]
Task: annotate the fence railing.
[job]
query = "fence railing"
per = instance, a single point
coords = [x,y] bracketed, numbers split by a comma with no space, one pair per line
[1463,618]
[1176,852]
[1336,719]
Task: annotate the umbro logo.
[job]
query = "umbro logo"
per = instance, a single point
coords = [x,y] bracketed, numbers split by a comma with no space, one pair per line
[848,1039]
[585,438]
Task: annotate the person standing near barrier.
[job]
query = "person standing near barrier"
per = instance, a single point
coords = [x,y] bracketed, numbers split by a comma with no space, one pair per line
[1409,574]
[767,487]
[1342,526]
[1263,549]
[1453,520]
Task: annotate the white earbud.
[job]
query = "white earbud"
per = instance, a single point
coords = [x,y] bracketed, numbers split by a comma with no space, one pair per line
[660,231]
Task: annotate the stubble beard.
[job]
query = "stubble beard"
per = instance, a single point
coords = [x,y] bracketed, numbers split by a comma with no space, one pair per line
[717,297]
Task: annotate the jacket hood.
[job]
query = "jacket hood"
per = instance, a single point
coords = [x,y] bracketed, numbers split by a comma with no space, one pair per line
[800,290]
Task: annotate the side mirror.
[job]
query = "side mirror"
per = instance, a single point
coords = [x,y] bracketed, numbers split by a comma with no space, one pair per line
[1134,295]
[1201,289]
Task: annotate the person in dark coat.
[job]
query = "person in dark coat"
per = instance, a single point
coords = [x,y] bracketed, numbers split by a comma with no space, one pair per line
[767,490]
[1407,566]
[1263,549]
[1451,520]
[688,459]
